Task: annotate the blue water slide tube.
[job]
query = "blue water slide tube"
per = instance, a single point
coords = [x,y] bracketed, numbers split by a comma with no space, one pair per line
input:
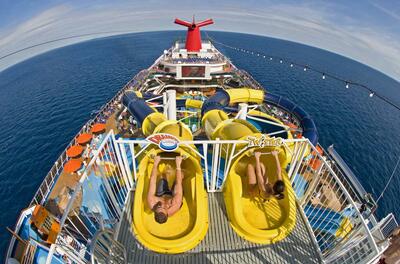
[147,96]
[306,122]
[136,106]
[219,101]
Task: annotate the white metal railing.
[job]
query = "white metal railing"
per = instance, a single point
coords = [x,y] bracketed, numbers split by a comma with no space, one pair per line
[332,214]
[338,227]
[334,217]
[212,153]
[96,204]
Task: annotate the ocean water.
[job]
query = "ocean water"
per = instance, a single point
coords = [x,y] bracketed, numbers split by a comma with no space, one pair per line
[45,100]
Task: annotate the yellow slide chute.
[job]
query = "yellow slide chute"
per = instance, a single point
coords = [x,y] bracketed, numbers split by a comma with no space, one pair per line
[186,228]
[254,219]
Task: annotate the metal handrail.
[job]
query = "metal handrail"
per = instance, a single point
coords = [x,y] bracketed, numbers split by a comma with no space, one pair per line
[348,197]
[359,235]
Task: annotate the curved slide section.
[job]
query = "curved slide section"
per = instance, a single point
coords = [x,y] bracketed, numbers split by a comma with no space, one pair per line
[254,219]
[186,228]
[306,122]
[241,95]
[216,122]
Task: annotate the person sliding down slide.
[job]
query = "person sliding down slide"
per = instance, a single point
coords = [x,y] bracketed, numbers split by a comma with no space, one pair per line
[258,176]
[163,201]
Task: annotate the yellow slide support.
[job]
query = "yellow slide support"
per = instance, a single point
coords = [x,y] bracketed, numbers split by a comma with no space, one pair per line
[186,228]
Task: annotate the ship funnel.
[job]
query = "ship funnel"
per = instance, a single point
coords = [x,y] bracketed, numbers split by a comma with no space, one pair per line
[193,37]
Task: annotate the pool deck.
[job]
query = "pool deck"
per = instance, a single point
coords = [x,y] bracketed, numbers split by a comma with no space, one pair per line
[223,245]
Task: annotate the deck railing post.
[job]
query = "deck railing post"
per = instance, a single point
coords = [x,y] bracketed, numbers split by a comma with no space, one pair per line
[228,158]
[120,160]
[349,199]
[295,159]
[299,159]
[215,164]
[110,192]
[205,149]
[312,185]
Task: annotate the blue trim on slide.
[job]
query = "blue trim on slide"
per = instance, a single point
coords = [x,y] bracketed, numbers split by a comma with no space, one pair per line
[306,122]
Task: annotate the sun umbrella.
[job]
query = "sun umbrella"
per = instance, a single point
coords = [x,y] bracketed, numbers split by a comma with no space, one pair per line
[315,163]
[291,125]
[319,150]
[72,165]
[74,151]
[98,128]
[84,138]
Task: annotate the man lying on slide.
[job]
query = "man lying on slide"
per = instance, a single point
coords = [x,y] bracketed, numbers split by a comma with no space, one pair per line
[163,201]
[257,177]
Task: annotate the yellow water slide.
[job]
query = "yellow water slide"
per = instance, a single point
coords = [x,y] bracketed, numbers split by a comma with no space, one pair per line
[186,228]
[255,219]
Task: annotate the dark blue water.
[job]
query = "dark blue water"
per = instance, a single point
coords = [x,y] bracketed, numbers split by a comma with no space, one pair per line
[44,102]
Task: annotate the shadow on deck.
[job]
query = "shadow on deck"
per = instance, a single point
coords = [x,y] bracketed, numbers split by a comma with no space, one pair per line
[223,245]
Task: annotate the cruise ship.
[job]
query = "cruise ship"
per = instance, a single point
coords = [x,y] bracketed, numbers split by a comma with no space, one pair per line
[215,139]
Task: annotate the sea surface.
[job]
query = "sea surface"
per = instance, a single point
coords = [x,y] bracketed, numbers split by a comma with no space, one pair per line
[44,101]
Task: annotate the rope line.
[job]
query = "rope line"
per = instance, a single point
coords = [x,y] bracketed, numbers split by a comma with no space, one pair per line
[372,92]
[390,179]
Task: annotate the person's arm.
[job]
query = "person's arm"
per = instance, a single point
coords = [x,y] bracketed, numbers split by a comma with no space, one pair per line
[278,165]
[151,195]
[178,189]
[260,177]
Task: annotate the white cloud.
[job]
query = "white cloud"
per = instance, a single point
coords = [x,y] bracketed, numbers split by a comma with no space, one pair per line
[301,23]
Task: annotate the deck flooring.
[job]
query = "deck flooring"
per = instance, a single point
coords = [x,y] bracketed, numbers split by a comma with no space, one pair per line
[223,245]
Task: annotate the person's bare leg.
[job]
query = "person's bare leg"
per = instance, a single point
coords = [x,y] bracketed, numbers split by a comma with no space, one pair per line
[252,180]
[178,188]
[151,195]
[264,173]
[263,182]
[260,172]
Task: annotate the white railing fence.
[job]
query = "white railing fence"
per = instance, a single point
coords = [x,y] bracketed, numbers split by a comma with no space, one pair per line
[215,156]
[96,204]
[333,217]
[332,214]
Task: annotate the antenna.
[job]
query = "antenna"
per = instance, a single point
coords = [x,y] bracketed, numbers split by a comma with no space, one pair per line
[193,37]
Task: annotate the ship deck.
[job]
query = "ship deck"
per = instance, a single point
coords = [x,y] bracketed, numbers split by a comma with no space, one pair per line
[223,245]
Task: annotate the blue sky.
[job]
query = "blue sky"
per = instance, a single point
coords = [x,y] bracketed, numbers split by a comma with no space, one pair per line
[367,31]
